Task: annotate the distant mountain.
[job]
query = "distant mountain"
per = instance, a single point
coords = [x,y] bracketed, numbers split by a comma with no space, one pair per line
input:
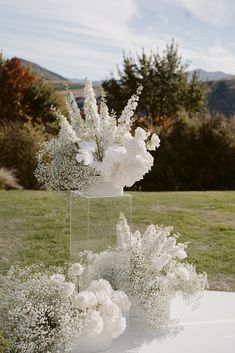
[210,76]
[82,81]
[221,96]
[221,87]
[47,75]
[77,80]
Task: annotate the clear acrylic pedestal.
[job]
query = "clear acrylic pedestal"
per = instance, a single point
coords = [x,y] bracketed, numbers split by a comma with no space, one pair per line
[93,222]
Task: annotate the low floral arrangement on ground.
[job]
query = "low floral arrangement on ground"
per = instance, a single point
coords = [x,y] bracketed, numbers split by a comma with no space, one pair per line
[52,310]
[150,268]
[96,144]
[45,311]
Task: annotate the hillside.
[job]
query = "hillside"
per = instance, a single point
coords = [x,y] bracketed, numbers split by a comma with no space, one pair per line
[221,96]
[210,76]
[221,86]
[47,75]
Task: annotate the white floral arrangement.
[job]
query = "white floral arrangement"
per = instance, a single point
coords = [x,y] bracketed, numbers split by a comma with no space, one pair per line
[150,268]
[96,143]
[57,167]
[45,312]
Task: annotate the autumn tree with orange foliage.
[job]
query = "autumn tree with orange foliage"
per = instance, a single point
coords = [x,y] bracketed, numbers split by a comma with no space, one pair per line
[14,80]
[24,97]
[25,118]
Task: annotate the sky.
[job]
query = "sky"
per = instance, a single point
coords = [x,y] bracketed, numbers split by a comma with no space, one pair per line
[87,38]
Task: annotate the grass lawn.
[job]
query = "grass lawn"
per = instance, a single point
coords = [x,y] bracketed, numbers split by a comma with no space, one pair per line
[34,227]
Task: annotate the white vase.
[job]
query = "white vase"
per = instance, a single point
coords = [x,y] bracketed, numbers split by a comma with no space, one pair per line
[104,188]
[86,344]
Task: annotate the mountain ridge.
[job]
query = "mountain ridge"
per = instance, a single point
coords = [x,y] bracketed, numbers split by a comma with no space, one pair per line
[221,86]
[205,76]
[41,71]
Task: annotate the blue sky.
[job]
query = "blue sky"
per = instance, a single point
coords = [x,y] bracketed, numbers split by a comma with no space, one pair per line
[86,38]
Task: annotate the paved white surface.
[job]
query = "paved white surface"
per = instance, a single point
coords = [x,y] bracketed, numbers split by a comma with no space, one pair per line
[208,329]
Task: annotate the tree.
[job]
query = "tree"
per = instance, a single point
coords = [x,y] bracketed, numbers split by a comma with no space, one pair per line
[25,97]
[14,80]
[167,90]
[196,153]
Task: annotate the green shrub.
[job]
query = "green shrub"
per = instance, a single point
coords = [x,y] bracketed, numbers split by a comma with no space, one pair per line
[19,144]
[195,154]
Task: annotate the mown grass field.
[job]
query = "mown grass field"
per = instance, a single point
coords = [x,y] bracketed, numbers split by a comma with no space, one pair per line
[34,227]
